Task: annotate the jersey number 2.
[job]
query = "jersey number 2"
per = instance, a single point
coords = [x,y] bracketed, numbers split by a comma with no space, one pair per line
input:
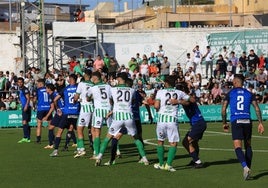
[240,103]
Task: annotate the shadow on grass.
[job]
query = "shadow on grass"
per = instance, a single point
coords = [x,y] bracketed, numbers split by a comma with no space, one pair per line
[222,162]
[260,175]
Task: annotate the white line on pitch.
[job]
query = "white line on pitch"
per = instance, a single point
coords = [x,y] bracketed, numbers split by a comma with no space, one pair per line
[147,141]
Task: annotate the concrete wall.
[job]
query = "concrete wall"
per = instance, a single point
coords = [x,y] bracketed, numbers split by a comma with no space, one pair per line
[125,44]
[9,53]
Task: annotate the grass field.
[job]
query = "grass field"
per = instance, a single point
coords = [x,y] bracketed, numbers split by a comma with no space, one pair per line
[29,165]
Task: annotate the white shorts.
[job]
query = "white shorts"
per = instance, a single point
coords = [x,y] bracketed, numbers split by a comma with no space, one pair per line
[167,130]
[117,125]
[84,119]
[97,122]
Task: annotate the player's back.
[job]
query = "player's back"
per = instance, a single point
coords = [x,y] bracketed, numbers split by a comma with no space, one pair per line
[240,101]
[101,96]
[43,99]
[122,98]
[82,90]
[168,112]
[68,95]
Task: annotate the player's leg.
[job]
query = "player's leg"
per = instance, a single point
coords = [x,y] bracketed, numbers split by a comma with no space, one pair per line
[83,120]
[238,136]
[39,131]
[96,132]
[26,118]
[114,144]
[247,143]
[63,123]
[131,130]
[173,138]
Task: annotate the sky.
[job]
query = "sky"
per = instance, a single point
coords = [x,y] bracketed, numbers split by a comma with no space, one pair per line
[93,3]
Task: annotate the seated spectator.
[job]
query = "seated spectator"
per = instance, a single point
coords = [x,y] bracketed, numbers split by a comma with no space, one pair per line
[216,91]
[2,104]
[250,78]
[261,77]
[12,103]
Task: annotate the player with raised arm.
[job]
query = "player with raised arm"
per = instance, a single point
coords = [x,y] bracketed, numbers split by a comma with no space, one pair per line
[70,111]
[122,97]
[100,93]
[86,111]
[240,100]
[166,105]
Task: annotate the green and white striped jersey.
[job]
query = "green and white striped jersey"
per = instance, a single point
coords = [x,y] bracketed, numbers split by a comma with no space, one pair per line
[122,98]
[101,94]
[168,112]
[82,90]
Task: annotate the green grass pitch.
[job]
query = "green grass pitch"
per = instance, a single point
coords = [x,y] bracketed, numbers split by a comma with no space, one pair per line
[29,165]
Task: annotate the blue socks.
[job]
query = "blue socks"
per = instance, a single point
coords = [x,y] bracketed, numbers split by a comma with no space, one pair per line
[241,157]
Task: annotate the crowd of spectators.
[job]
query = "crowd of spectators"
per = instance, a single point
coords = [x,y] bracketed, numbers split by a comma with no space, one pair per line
[149,72]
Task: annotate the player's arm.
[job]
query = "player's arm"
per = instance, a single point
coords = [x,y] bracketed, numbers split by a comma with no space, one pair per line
[76,97]
[52,107]
[224,116]
[27,96]
[157,104]
[259,116]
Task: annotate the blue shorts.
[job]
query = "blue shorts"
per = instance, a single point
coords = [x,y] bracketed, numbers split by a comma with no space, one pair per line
[26,116]
[67,120]
[56,120]
[242,129]
[197,130]
[41,114]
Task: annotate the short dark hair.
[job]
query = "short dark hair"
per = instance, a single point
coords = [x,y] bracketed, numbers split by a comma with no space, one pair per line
[122,75]
[171,80]
[73,76]
[97,74]
[240,77]
[50,86]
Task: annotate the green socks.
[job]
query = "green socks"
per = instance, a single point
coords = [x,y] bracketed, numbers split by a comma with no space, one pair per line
[140,147]
[160,154]
[80,143]
[96,145]
[171,155]
[103,145]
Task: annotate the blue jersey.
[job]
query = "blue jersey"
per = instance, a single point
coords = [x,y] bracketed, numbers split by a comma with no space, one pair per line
[22,94]
[240,101]
[60,102]
[193,113]
[43,99]
[136,105]
[70,108]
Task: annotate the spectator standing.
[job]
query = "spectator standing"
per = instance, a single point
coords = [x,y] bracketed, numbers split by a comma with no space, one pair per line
[209,61]
[165,68]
